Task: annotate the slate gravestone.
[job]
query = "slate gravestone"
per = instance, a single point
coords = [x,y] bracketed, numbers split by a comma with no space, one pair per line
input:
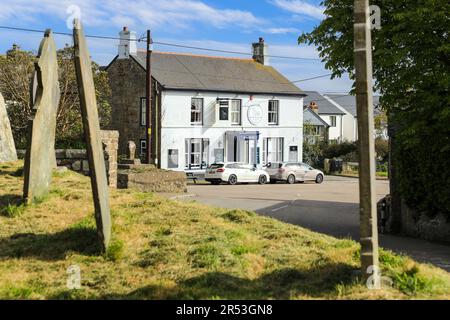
[7,147]
[40,155]
[86,89]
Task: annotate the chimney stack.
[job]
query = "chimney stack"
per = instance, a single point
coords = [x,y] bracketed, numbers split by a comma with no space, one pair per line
[128,45]
[260,52]
[314,107]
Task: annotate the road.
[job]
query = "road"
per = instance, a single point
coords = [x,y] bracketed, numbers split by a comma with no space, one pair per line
[330,208]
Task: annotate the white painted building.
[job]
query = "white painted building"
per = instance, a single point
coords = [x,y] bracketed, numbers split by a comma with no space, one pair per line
[212,109]
[330,113]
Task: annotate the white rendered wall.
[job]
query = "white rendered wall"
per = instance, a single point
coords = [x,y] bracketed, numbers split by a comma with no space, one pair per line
[176,124]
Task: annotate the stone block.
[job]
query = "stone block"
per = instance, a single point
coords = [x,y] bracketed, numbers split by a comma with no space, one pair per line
[7,147]
[40,156]
[86,89]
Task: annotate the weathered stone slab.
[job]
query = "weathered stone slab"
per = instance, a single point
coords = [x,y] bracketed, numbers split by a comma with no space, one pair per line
[91,126]
[40,156]
[7,147]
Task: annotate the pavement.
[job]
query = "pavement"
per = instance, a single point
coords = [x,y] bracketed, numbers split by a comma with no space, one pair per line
[331,208]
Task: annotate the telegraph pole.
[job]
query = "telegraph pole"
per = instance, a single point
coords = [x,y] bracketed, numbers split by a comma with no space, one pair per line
[364,102]
[148,100]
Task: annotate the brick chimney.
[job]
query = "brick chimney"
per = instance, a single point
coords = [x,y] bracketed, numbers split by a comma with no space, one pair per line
[260,52]
[128,45]
[314,107]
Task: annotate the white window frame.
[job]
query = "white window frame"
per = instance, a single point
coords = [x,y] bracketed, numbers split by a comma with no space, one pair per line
[198,111]
[143,112]
[202,153]
[279,152]
[235,111]
[224,104]
[142,147]
[333,121]
[273,112]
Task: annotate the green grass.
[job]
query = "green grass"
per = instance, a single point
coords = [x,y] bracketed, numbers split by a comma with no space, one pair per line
[164,249]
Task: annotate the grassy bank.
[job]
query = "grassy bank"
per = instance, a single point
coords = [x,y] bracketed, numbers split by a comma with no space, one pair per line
[166,249]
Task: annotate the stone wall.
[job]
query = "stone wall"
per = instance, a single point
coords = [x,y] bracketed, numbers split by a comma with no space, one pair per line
[150,179]
[77,159]
[127,80]
[110,139]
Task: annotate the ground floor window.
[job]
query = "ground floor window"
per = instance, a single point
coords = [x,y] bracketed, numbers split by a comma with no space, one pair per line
[273,150]
[196,153]
[172,162]
[143,149]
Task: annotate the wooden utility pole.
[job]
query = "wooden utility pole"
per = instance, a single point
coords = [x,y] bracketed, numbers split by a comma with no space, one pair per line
[364,102]
[148,100]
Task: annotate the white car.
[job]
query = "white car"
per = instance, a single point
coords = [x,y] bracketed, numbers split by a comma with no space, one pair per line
[233,173]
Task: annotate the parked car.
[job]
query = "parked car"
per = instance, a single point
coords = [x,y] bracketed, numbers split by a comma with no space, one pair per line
[292,172]
[233,173]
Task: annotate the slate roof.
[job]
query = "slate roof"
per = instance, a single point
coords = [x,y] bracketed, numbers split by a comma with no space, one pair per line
[180,71]
[310,117]
[349,102]
[325,106]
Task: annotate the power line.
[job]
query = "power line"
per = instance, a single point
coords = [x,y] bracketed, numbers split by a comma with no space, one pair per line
[159,43]
[307,79]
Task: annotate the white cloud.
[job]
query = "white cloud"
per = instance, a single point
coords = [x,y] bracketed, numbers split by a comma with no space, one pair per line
[150,13]
[281,30]
[300,7]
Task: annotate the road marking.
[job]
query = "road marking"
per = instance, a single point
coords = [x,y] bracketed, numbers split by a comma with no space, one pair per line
[278,209]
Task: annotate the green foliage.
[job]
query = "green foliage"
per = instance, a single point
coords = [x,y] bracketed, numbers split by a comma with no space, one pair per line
[115,250]
[16,70]
[411,67]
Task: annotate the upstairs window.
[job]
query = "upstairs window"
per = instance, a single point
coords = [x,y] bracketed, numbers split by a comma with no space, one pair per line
[236,112]
[196,111]
[333,121]
[273,115]
[223,110]
[143,112]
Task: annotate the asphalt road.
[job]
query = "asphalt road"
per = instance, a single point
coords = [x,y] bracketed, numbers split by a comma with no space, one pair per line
[330,208]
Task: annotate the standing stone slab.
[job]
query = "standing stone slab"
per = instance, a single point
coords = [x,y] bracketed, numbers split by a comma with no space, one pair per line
[7,147]
[40,155]
[86,89]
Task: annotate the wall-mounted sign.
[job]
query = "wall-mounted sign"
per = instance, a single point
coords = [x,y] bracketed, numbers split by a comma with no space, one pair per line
[219,155]
[255,114]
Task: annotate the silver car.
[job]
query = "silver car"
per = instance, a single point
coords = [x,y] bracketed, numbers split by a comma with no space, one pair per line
[292,172]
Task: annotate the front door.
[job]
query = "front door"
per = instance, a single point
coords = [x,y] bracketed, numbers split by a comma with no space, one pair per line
[242,147]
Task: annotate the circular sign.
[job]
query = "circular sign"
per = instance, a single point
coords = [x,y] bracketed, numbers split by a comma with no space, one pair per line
[255,114]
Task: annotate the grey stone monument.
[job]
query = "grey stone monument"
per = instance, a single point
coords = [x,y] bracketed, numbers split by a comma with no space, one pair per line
[86,89]
[40,155]
[7,147]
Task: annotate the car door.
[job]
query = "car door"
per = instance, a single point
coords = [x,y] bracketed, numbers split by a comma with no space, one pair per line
[297,170]
[249,173]
[309,172]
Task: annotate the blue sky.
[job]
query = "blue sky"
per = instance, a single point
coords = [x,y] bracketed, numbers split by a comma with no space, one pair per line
[220,24]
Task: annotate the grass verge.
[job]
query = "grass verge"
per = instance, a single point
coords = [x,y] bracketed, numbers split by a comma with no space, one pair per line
[164,249]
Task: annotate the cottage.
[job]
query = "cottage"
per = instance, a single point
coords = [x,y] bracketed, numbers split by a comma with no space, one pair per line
[329,112]
[347,103]
[212,109]
[315,129]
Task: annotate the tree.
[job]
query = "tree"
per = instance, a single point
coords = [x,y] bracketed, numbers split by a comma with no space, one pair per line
[411,69]
[16,70]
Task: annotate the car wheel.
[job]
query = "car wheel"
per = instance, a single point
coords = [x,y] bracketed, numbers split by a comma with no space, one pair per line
[291,179]
[262,179]
[232,180]
[319,178]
